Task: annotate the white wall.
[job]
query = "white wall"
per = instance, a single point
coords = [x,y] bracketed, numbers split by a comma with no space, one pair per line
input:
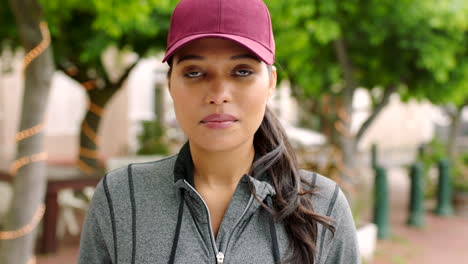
[399,126]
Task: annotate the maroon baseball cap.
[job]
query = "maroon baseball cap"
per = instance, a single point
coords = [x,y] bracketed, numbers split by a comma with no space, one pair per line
[246,22]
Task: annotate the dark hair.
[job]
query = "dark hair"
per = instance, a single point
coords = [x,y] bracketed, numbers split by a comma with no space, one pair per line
[292,202]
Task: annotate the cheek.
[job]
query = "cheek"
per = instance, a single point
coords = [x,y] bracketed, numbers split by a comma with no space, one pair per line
[253,106]
[255,97]
[184,107]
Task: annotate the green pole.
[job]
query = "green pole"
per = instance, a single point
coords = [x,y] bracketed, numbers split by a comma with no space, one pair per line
[381,203]
[374,155]
[416,205]
[444,190]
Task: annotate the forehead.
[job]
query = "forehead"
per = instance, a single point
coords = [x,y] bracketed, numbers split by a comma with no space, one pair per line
[207,47]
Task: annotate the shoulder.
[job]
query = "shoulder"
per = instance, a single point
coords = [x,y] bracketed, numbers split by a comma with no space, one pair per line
[116,184]
[325,191]
[328,199]
[323,184]
[157,169]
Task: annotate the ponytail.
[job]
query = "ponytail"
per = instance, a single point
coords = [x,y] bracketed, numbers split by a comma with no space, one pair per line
[292,202]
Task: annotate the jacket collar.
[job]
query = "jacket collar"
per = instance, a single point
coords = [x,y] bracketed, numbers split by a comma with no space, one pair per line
[183,170]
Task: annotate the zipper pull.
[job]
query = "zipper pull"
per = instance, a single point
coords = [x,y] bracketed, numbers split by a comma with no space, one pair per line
[220,258]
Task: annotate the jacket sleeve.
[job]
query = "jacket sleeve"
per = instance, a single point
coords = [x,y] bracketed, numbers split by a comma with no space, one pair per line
[93,246]
[343,247]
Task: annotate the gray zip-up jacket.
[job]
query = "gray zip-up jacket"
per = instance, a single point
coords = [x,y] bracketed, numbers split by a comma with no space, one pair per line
[151,213]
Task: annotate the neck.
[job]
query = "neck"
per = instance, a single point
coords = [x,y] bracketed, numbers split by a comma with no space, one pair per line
[221,169]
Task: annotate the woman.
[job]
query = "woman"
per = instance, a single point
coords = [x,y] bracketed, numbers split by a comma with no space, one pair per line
[233,194]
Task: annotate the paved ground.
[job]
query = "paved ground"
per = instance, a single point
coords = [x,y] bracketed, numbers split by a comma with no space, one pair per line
[67,253]
[443,240]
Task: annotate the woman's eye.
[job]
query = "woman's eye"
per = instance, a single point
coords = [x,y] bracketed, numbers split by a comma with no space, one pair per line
[243,72]
[193,74]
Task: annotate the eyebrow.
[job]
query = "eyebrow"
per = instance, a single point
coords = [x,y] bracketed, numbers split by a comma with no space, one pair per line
[237,57]
[189,57]
[245,56]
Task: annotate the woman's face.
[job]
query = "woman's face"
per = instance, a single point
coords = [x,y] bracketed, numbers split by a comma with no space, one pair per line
[220,91]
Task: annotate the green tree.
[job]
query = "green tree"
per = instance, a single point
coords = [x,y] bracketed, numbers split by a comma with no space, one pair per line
[451,94]
[327,49]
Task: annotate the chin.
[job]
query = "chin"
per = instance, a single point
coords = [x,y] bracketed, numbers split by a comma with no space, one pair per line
[223,143]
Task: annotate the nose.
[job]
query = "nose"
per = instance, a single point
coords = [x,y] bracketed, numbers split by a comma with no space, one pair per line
[218,92]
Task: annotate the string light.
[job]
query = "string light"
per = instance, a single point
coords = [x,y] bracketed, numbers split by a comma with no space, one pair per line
[19,163]
[89,85]
[90,133]
[84,167]
[40,48]
[88,153]
[25,230]
[96,109]
[29,132]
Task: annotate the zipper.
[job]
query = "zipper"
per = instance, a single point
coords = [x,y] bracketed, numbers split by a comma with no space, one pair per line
[220,258]
[218,254]
[238,221]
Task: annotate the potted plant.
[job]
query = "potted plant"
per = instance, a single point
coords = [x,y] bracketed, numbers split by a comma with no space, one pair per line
[152,139]
[152,146]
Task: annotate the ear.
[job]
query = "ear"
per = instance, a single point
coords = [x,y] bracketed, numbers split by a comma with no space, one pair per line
[273,80]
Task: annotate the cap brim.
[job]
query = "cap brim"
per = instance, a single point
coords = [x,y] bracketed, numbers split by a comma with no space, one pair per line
[258,49]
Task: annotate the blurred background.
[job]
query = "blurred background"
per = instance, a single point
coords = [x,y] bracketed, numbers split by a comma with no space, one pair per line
[372,94]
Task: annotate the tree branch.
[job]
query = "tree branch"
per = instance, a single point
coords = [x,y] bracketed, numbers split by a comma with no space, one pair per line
[347,67]
[125,75]
[104,74]
[465,103]
[66,72]
[385,99]
[450,110]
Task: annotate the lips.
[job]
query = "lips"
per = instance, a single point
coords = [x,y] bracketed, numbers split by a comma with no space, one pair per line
[219,118]
[219,121]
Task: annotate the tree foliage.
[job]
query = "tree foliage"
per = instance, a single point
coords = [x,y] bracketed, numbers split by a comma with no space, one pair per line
[82,30]
[415,43]
[327,49]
